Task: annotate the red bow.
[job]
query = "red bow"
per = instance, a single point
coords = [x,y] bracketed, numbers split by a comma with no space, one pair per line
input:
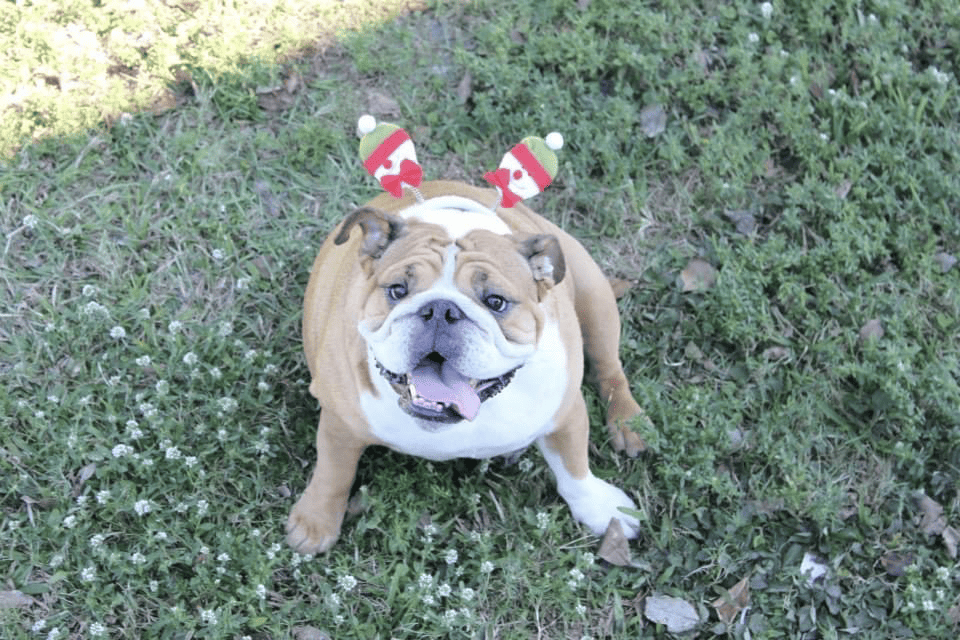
[501,180]
[410,173]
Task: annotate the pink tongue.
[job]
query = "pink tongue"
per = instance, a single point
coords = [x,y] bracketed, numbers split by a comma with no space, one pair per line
[442,383]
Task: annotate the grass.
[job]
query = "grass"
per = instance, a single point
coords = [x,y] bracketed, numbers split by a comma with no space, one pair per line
[156,428]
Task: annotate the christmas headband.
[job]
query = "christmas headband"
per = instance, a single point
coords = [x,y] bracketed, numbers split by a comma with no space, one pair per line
[389,156]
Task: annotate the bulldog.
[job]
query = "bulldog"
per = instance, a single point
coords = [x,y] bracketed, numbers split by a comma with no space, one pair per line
[446,329]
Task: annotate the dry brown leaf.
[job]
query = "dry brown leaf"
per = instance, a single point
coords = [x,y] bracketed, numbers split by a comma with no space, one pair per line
[744,221]
[615,547]
[873,330]
[465,88]
[895,563]
[679,616]
[932,521]
[699,275]
[305,632]
[736,599]
[842,189]
[620,286]
[951,538]
[14,599]
[381,104]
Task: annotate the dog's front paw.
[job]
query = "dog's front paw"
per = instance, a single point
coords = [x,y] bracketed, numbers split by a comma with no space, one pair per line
[622,411]
[596,502]
[310,530]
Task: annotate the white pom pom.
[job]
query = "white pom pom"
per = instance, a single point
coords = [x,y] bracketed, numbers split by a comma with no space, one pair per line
[554,141]
[366,124]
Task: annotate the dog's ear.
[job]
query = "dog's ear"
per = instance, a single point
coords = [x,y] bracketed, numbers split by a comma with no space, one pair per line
[545,256]
[379,230]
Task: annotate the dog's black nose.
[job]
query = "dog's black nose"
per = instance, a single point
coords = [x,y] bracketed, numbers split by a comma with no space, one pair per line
[440,311]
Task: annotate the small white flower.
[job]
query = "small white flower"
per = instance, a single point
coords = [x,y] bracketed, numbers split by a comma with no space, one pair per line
[929,605]
[227,404]
[94,308]
[142,507]
[428,600]
[39,625]
[172,453]
[154,586]
[543,520]
[581,610]
[88,574]
[96,630]
[444,590]
[30,221]
[175,327]
[56,561]
[766,9]
[138,559]
[486,567]
[333,601]
[144,361]
[261,447]
[225,329]
[215,373]
[824,137]
[121,450]
[450,617]
[525,465]
[160,535]
[243,283]
[118,333]
[425,581]
[467,594]
[270,369]
[753,38]
[53,634]
[102,496]
[451,556]
[190,359]
[202,506]
[190,461]
[263,386]
[97,540]
[261,591]
[250,354]
[943,573]
[217,254]
[70,521]
[347,582]
[223,557]
[162,387]
[147,410]
[208,616]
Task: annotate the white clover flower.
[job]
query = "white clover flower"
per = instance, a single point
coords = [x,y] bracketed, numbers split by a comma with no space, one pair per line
[88,574]
[525,465]
[543,520]
[444,590]
[82,500]
[154,586]
[208,616]
[38,625]
[261,591]
[215,373]
[121,450]
[143,314]
[425,581]
[202,507]
[450,617]
[581,610]
[96,630]
[118,333]
[486,567]
[175,327]
[766,10]
[30,221]
[428,600]
[225,329]
[250,354]
[217,254]
[270,369]
[227,404]
[144,361]
[190,461]
[70,521]
[943,573]
[102,496]
[147,410]
[190,358]
[172,453]
[467,594]
[97,540]
[347,582]
[929,605]
[333,601]
[94,308]
[261,447]
[451,556]
[753,38]
[138,559]
[941,77]
[263,386]
[223,557]
[162,387]
[142,507]
[56,561]
[54,633]
[243,283]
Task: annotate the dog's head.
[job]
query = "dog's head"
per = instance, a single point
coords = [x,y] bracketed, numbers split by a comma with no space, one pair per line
[451,311]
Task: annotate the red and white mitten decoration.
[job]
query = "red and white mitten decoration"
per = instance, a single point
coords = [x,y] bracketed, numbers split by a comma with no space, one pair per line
[389,156]
[527,169]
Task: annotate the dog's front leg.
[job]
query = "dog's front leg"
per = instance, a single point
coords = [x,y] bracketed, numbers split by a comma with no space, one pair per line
[592,501]
[314,522]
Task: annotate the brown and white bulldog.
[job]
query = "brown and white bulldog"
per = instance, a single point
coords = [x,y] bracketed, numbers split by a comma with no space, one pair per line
[443,329]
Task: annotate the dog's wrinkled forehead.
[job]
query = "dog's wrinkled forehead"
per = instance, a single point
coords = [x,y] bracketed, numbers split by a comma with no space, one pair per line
[458,216]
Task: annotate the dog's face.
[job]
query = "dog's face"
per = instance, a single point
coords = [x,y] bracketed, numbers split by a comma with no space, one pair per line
[449,320]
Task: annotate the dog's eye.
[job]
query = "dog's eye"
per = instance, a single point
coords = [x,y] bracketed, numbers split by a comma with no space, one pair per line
[496,303]
[397,291]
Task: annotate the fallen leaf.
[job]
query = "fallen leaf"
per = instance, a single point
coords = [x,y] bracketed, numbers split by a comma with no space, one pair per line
[274,99]
[14,599]
[813,567]
[945,260]
[653,120]
[382,105]
[895,563]
[932,521]
[951,538]
[699,275]
[86,472]
[679,616]
[620,286]
[744,221]
[873,330]
[615,548]
[842,189]
[776,353]
[465,88]
[304,632]
[735,600]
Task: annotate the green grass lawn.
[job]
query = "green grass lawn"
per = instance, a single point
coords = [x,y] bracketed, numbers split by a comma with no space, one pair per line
[780,182]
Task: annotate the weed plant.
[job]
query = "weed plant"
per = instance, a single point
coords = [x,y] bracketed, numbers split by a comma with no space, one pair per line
[156,426]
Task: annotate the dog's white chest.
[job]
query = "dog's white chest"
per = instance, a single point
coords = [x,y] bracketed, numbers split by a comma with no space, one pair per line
[509,421]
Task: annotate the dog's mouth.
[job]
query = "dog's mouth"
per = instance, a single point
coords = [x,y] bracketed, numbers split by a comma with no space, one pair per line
[436,392]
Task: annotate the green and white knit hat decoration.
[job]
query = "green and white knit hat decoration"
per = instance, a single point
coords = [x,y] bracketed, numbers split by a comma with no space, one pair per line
[389,156]
[526,169]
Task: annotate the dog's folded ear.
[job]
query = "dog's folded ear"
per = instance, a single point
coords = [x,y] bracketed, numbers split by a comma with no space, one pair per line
[379,230]
[546,260]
